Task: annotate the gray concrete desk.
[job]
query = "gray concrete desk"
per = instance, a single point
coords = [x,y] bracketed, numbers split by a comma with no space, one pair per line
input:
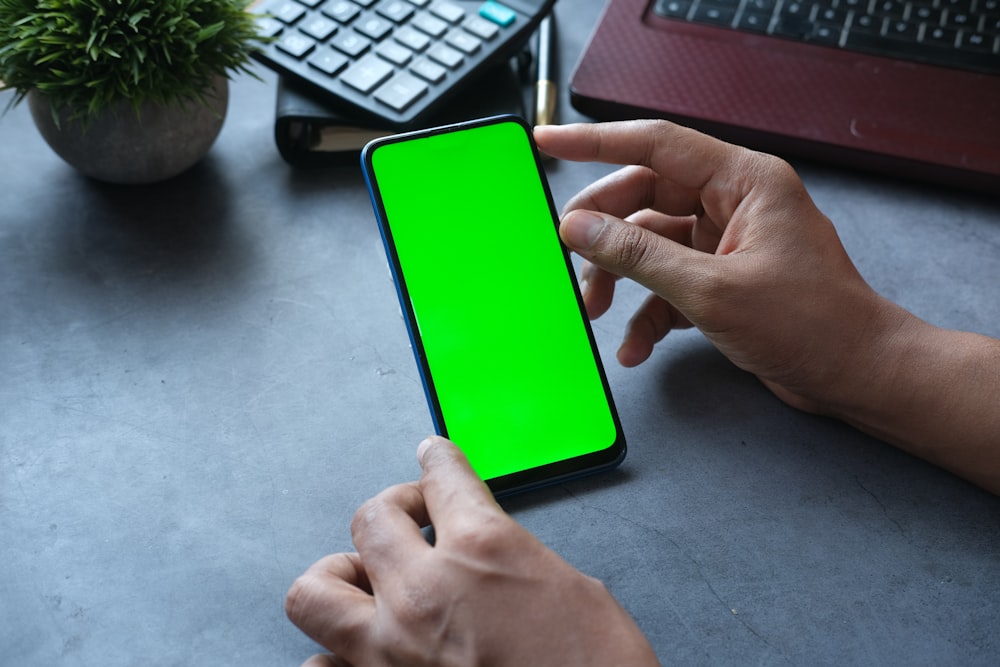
[201,380]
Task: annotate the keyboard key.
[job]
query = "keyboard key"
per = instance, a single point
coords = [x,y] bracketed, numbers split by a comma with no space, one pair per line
[429,71]
[319,26]
[672,9]
[463,41]
[960,20]
[722,4]
[411,39]
[714,15]
[941,37]
[825,34]
[394,52]
[287,11]
[892,9]
[795,26]
[956,5]
[374,27]
[445,55]
[430,25]
[396,11]
[866,24]
[327,60]
[401,91]
[796,9]
[268,27]
[295,44]
[752,22]
[497,13]
[831,16]
[926,14]
[366,74]
[978,42]
[448,12]
[903,30]
[761,6]
[481,28]
[351,43]
[341,11]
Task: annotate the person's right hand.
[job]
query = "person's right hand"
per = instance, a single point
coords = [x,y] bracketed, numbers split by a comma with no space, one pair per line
[729,241]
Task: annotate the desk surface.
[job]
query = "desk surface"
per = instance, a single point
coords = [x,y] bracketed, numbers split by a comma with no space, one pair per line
[202,379]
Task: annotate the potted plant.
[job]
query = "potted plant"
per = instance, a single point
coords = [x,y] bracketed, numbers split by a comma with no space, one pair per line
[126,91]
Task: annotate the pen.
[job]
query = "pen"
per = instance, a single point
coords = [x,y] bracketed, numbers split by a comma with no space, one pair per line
[545,87]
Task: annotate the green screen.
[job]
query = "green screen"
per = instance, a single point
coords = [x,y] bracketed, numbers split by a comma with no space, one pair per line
[505,342]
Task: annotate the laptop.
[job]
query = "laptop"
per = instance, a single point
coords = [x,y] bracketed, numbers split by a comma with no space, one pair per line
[803,79]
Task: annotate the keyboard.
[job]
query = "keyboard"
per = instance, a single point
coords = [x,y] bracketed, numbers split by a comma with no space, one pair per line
[963,34]
[392,63]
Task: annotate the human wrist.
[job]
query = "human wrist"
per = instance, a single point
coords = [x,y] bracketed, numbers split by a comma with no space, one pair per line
[871,383]
[932,392]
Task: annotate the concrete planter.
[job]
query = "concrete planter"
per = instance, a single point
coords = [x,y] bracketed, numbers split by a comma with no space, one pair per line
[120,147]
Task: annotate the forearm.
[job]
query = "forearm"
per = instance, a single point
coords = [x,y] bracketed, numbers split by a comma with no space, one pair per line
[935,393]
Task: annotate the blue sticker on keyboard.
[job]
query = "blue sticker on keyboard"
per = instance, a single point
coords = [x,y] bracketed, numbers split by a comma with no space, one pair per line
[497,13]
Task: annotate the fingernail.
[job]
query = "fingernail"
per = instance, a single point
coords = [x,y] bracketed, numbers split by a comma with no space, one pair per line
[422,448]
[580,229]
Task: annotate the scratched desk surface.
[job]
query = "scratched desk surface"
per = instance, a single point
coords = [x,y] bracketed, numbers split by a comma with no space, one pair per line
[201,380]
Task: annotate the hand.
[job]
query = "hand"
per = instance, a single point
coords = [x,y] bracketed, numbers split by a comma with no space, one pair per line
[729,241]
[486,593]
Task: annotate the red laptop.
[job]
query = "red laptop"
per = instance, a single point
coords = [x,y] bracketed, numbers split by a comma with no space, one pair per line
[905,87]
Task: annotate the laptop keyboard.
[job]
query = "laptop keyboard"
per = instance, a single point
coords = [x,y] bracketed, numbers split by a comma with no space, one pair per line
[963,34]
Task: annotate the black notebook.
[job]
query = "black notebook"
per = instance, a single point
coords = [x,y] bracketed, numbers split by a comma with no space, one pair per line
[312,133]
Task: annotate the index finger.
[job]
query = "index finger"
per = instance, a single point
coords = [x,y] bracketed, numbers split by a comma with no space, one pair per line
[331,602]
[386,532]
[686,157]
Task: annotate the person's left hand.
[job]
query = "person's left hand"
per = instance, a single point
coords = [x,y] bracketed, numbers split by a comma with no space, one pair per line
[486,593]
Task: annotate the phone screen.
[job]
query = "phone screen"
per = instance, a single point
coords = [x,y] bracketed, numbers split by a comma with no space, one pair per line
[508,359]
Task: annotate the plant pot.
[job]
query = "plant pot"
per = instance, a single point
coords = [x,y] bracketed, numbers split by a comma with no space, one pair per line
[120,147]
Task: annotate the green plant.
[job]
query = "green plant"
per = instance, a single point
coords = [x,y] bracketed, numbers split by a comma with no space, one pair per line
[87,55]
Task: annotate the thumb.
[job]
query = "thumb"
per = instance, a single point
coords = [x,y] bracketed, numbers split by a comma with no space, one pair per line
[450,487]
[631,251]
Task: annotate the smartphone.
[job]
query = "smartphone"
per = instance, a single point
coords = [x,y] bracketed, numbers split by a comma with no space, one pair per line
[508,360]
